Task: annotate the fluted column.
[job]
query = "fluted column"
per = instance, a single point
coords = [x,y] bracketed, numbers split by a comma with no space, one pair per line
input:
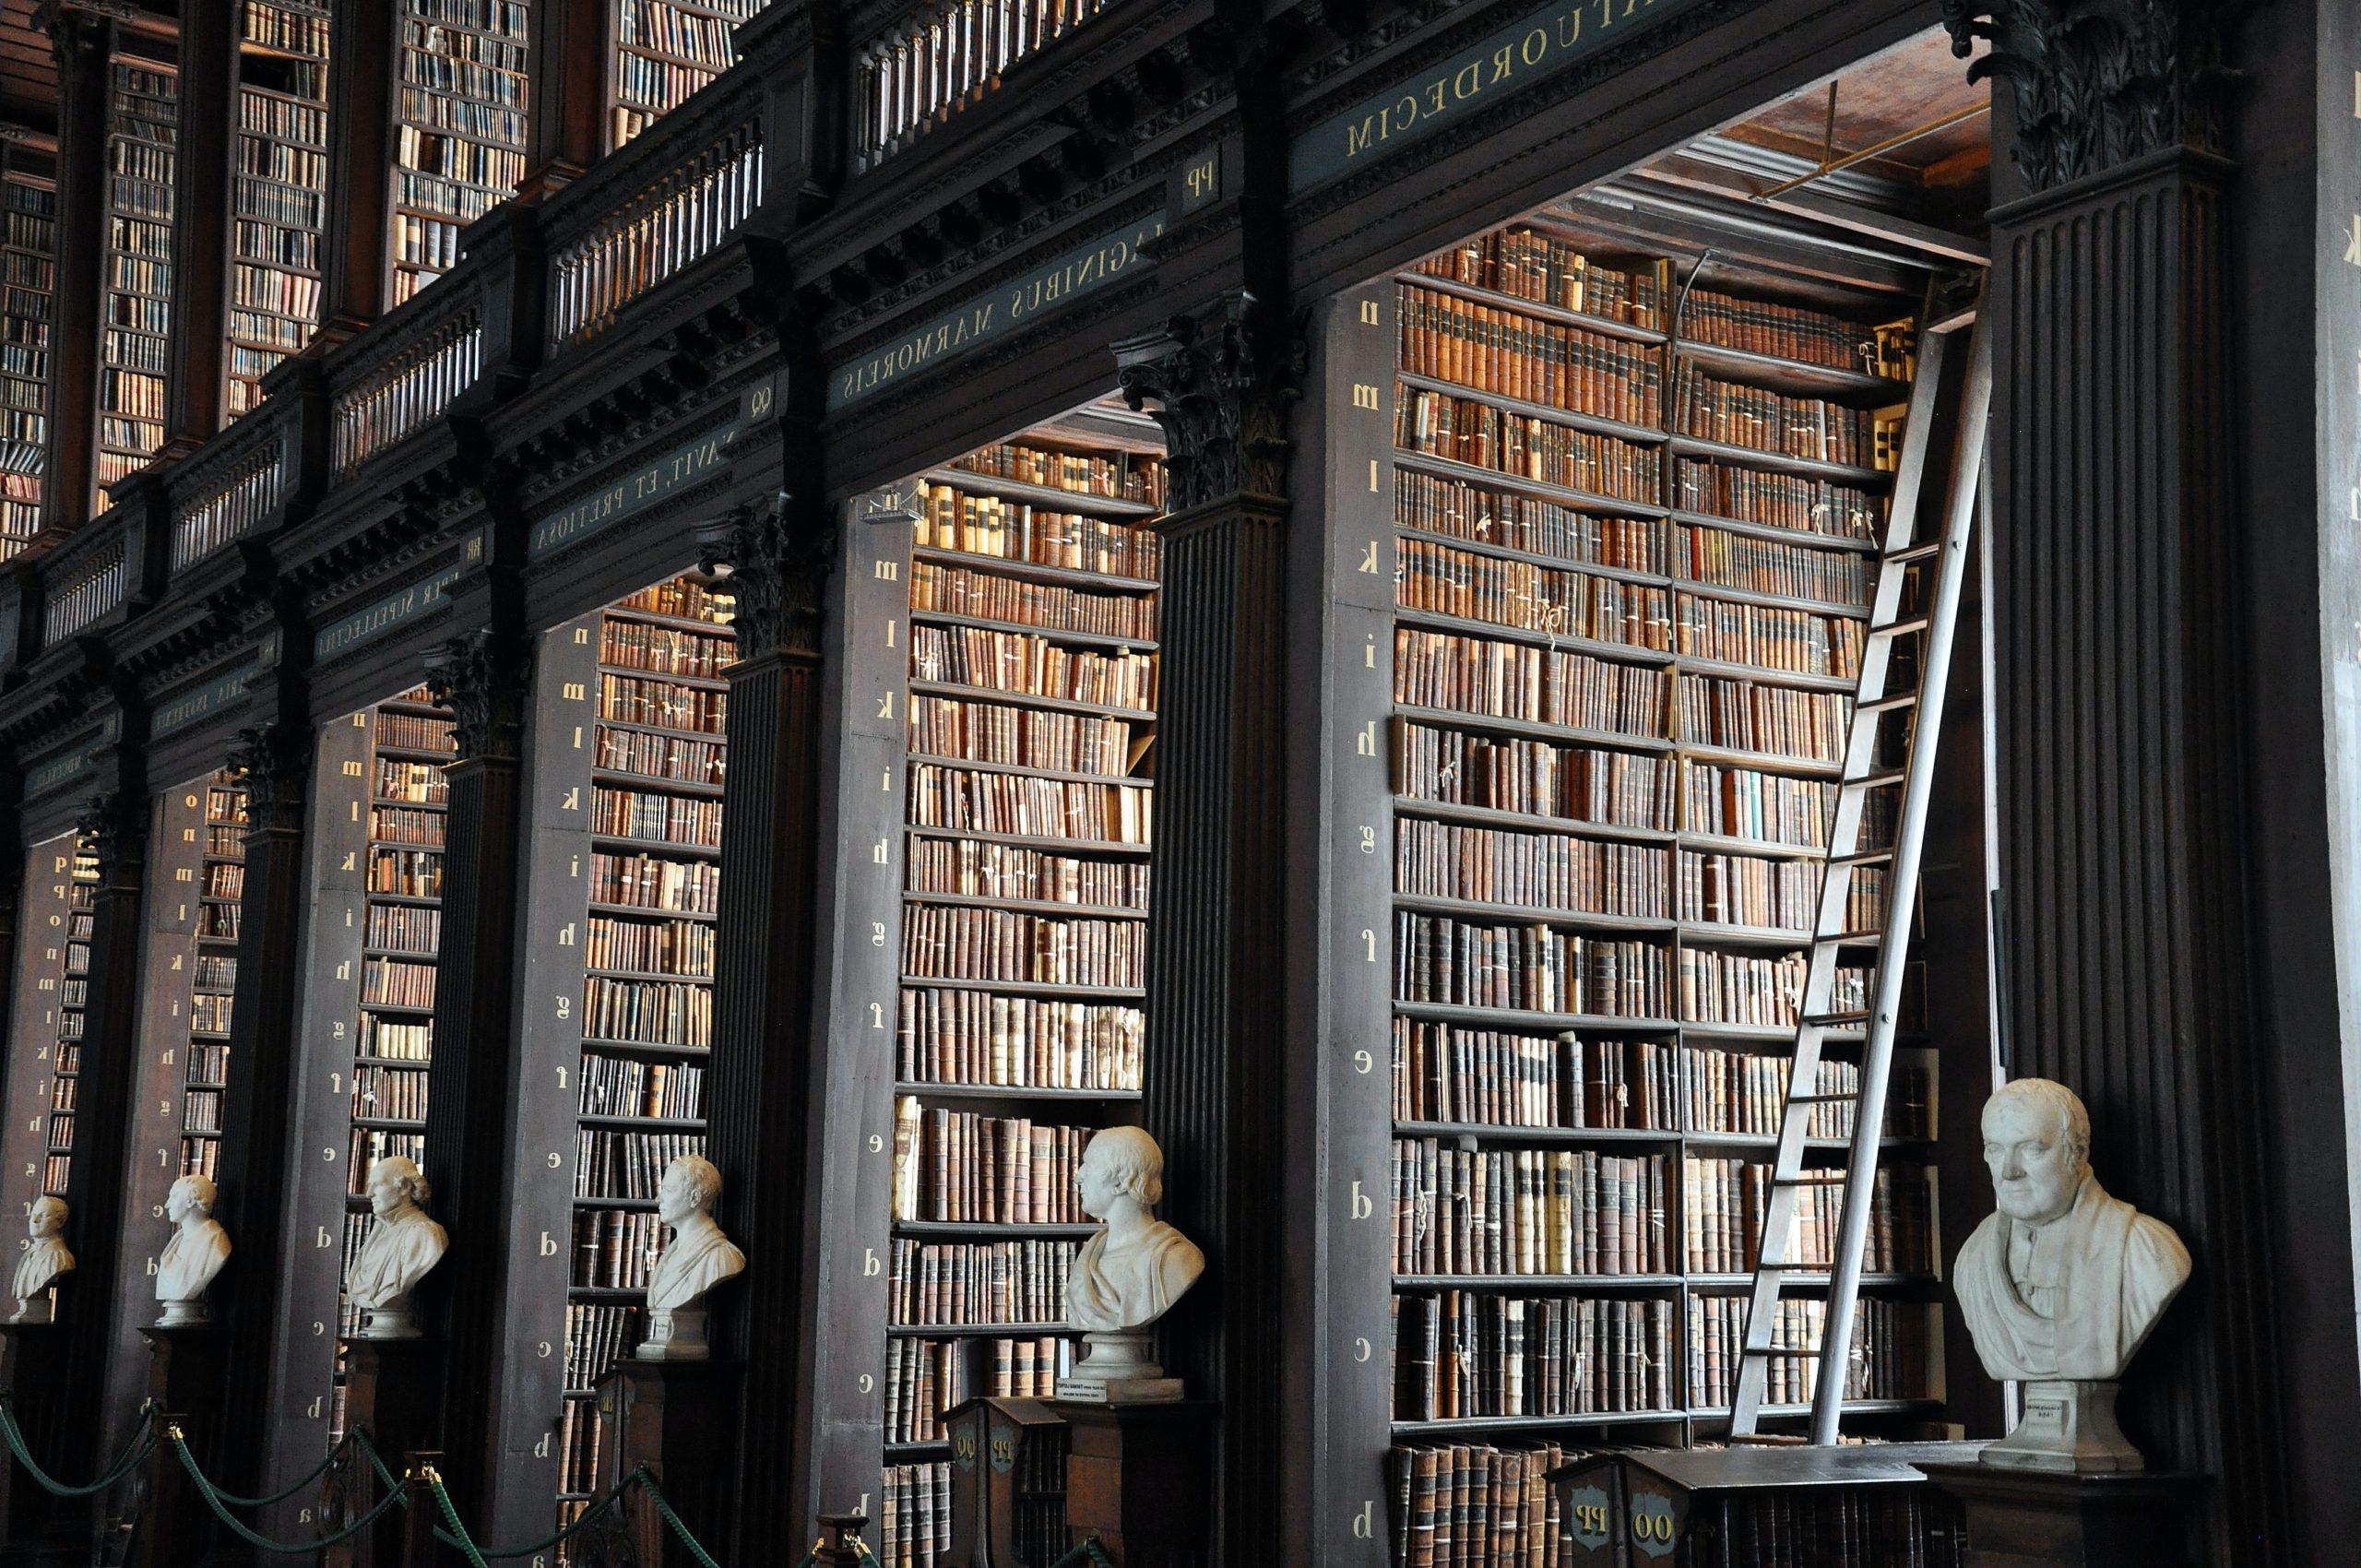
[1219,385]
[485,680]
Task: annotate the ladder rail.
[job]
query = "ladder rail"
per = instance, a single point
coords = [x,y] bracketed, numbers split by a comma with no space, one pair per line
[1877,1054]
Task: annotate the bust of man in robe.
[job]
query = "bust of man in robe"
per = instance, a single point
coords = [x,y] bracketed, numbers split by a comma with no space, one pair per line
[700,1256]
[2064,1283]
[1131,1273]
[194,1254]
[45,1258]
[402,1245]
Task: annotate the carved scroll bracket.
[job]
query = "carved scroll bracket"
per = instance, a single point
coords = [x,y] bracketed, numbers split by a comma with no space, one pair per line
[1220,384]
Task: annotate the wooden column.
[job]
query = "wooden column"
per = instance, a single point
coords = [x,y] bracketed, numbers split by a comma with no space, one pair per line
[568,95]
[258,1155]
[485,680]
[360,119]
[83,42]
[116,825]
[2120,661]
[765,1097]
[1216,957]
[208,141]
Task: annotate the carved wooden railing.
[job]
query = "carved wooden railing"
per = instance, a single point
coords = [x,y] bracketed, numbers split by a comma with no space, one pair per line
[664,201]
[404,370]
[233,484]
[923,68]
[87,578]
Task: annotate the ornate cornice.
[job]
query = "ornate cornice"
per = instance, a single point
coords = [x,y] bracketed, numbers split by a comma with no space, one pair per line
[778,571]
[273,761]
[2098,85]
[484,679]
[1220,384]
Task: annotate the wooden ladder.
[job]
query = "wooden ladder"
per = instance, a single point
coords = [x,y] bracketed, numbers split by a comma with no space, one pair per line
[1817,1020]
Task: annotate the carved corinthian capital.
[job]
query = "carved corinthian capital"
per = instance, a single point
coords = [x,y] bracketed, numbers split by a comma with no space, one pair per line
[1220,386]
[2096,85]
[273,761]
[114,827]
[484,679]
[778,563]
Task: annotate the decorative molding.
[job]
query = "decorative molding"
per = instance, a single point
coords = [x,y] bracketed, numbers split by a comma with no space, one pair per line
[2098,86]
[485,679]
[273,760]
[113,825]
[1220,383]
[777,570]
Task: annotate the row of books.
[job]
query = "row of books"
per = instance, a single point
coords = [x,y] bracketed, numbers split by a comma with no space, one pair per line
[1743,715]
[654,882]
[1498,1078]
[1452,507]
[1886,1361]
[1539,870]
[392,983]
[624,1086]
[989,596]
[1484,1211]
[209,1015]
[1011,661]
[1738,415]
[614,1248]
[647,1012]
[581,1435]
[1770,499]
[663,650]
[1724,1202]
[1754,990]
[947,54]
[946,1036]
[1023,737]
[220,921]
[961,1166]
[370,1145]
[1537,777]
[402,825]
[1017,530]
[201,1111]
[926,1378]
[208,1063]
[672,947]
[390,1093]
[1472,1505]
[1795,332]
[413,731]
[965,868]
[1467,430]
[1519,593]
[670,757]
[1770,566]
[1539,266]
[1508,352]
[1738,1092]
[396,1040]
[1743,890]
[1028,806]
[947,1284]
[597,1336]
[680,598]
[667,704]
[404,928]
[914,1526]
[1802,642]
[29,230]
[270,288]
[655,816]
[1531,969]
[700,35]
[940,942]
[1085,473]
[1461,1354]
[1540,685]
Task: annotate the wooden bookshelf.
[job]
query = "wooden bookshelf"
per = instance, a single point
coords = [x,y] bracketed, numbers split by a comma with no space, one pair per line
[28,286]
[213,977]
[665,50]
[279,190]
[460,129]
[135,302]
[71,977]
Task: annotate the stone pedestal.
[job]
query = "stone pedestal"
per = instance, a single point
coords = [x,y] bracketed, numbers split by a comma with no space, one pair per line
[678,1419]
[2020,1519]
[187,1372]
[32,1372]
[1139,1477]
[393,1388]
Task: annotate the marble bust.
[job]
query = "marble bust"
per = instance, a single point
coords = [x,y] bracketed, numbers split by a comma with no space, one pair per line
[45,1260]
[699,1258]
[402,1245]
[194,1254]
[1127,1275]
[2063,1284]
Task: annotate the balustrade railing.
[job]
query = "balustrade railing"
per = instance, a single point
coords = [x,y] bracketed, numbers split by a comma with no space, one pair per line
[945,57]
[230,499]
[667,222]
[82,588]
[427,360]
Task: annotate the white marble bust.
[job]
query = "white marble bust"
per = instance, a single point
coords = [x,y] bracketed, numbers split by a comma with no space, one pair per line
[45,1260]
[194,1254]
[402,1245]
[1131,1273]
[2063,1284]
[698,1258]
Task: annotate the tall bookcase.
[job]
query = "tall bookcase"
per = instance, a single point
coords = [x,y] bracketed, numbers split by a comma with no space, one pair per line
[460,129]
[221,887]
[27,284]
[73,987]
[279,201]
[665,50]
[136,323]
[1031,705]
[1613,622]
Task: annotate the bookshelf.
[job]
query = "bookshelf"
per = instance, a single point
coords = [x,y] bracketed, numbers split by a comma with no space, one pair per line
[1031,704]
[665,50]
[221,873]
[277,208]
[73,1001]
[27,285]
[460,129]
[136,306]
[1630,562]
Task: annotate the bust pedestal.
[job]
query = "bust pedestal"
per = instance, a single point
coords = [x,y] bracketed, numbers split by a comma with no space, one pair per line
[393,1387]
[1115,1370]
[1137,1476]
[680,1418]
[2019,1518]
[32,1372]
[187,1372]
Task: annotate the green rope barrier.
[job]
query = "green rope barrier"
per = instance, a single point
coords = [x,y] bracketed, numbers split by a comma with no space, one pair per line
[655,1496]
[143,1443]
[386,1477]
[458,1539]
[238,1528]
[1088,1551]
[324,1466]
[583,1522]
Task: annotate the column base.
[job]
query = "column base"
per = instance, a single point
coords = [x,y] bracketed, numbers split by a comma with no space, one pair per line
[680,1419]
[1139,1477]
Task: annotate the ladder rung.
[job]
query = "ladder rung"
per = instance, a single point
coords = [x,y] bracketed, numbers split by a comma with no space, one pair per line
[1927,551]
[1894,704]
[1902,628]
[1836,1020]
[1810,1179]
[1874,781]
[1866,858]
[1821,1098]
